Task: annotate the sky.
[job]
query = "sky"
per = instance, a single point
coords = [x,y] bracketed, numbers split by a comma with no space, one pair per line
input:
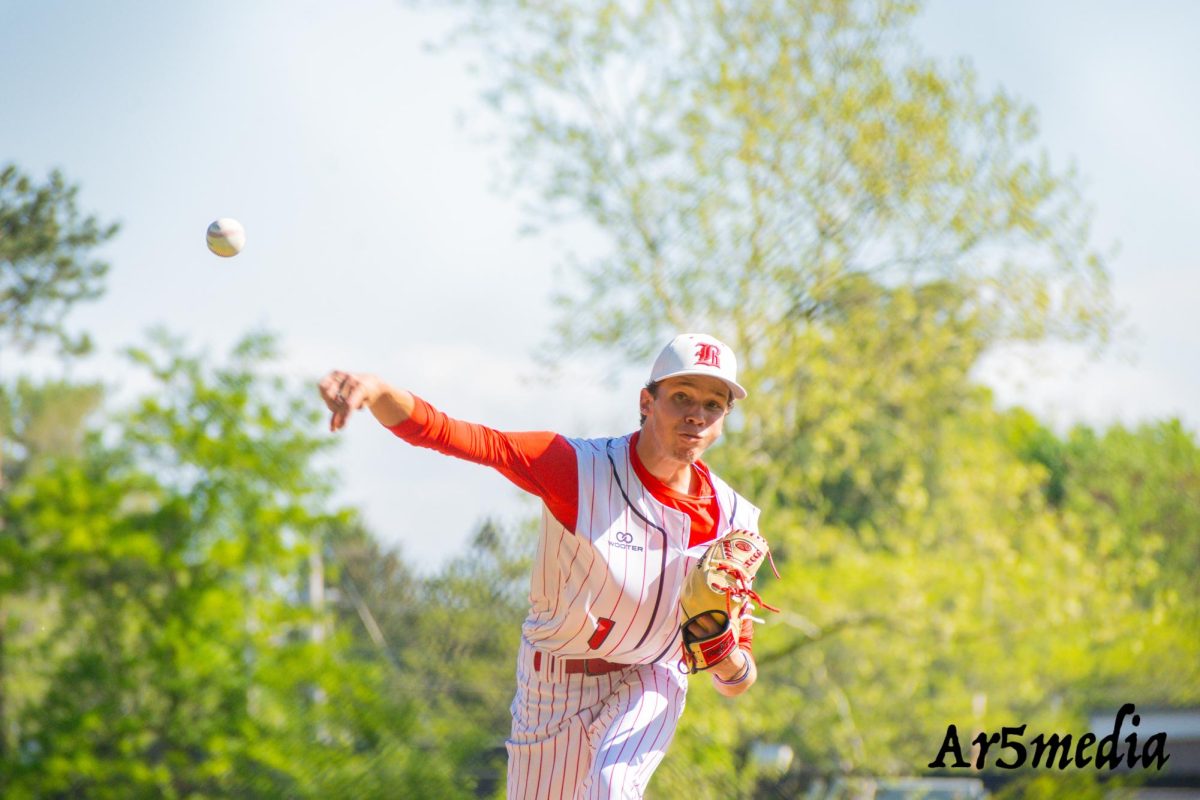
[377,240]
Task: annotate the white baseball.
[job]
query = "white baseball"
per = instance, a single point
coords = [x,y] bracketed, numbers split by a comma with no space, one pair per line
[226,237]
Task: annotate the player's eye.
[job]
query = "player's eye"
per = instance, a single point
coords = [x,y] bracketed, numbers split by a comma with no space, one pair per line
[713,405]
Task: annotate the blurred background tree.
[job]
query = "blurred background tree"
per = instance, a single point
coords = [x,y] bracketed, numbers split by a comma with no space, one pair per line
[46,267]
[163,627]
[863,225]
[173,633]
[46,259]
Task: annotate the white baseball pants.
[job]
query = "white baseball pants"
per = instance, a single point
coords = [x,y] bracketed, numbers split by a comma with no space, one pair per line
[585,737]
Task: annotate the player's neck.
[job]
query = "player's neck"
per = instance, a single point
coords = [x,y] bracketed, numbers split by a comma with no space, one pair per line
[677,475]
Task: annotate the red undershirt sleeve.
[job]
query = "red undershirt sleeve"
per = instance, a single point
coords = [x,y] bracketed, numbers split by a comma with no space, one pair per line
[542,463]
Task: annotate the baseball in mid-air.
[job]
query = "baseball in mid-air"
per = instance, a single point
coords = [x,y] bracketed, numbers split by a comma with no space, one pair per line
[226,237]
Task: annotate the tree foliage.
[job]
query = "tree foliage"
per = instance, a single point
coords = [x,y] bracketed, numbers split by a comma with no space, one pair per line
[155,585]
[42,422]
[451,638]
[46,262]
[744,162]
[862,224]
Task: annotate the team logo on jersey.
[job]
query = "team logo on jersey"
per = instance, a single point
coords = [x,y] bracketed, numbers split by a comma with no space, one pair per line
[708,355]
[624,541]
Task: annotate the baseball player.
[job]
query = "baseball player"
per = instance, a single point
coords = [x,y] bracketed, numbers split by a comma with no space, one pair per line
[602,671]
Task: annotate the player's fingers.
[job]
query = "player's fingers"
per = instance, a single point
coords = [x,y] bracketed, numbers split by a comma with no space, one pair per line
[356,396]
[331,381]
[330,389]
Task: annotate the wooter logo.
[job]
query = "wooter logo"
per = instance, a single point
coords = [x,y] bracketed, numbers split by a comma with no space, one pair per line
[623,540]
[1047,749]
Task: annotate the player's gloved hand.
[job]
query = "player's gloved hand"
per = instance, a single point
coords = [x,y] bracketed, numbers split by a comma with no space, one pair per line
[717,594]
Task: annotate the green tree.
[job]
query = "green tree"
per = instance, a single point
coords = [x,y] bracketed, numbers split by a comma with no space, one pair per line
[743,162]
[1136,492]
[46,261]
[40,422]
[45,268]
[180,659]
[451,638]
[1133,495]
[1144,483]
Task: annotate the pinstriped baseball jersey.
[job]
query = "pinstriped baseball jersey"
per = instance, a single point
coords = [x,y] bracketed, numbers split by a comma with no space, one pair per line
[610,588]
[604,587]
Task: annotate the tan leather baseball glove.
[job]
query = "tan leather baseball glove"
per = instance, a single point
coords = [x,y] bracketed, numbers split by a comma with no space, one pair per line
[721,589]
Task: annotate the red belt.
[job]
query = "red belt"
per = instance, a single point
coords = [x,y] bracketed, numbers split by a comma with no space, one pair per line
[591,666]
[585,666]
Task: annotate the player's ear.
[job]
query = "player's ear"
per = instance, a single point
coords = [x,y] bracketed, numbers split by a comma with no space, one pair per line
[645,400]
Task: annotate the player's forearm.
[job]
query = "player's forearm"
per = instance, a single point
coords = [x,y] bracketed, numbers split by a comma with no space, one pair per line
[735,674]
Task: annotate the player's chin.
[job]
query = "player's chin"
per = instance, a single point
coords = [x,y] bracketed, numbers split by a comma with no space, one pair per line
[687,443]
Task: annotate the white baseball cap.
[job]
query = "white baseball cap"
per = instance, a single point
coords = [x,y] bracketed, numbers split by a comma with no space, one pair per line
[698,354]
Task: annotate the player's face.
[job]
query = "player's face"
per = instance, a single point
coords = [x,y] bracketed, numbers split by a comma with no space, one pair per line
[687,416]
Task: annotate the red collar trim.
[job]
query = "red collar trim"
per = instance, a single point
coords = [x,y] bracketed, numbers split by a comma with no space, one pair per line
[660,489]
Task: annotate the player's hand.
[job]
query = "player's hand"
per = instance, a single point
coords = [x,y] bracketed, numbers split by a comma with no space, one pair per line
[346,392]
[728,667]
[703,627]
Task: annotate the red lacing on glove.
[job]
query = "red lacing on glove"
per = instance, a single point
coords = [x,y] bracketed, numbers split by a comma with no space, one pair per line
[771,561]
[741,588]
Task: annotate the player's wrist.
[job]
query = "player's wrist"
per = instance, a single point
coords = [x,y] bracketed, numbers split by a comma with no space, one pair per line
[737,678]
[389,405]
[739,682]
[733,669]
